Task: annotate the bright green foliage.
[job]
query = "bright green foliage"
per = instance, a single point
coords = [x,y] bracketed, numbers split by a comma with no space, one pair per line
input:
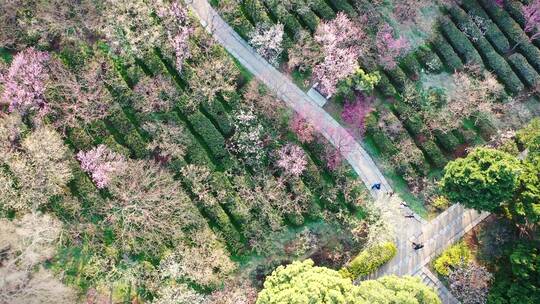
[399,290]
[451,258]
[483,180]
[527,204]
[301,283]
[530,136]
[519,281]
[370,259]
[359,81]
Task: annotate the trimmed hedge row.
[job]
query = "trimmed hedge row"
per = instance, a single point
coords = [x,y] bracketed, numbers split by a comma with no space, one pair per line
[447,53]
[323,10]
[370,260]
[309,19]
[235,18]
[411,66]
[232,204]
[397,77]
[256,12]
[429,59]
[206,130]
[80,139]
[125,129]
[524,70]
[381,140]
[493,34]
[460,42]
[281,14]
[493,60]
[344,6]
[514,9]
[217,113]
[447,140]
[514,32]
[385,87]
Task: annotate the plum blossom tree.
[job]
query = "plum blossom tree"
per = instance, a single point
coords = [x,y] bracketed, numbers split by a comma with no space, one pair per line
[25,82]
[157,94]
[531,13]
[101,163]
[303,130]
[341,41]
[247,141]
[355,112]
[268,40]
[388,47]
[168,140]
[292,160]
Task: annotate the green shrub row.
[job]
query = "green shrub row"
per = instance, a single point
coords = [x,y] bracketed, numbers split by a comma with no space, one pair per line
[309,19]
[397,77]
[280,13]
[460,42]
[525,71]
[429,59]
[235,18]
[80,139]
[344,6]
[485,127]
[232,202]
[493,34]
[381,140]
[411,66]
[217,113]
[514,9]
[323,10]
[370,260]
[514,32]
[447,140]
[206,130]
[125,129]
[447,53]
[385,87]
[492,59]
[256,11]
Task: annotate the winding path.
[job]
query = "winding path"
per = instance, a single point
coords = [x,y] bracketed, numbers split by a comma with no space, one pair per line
[436,235]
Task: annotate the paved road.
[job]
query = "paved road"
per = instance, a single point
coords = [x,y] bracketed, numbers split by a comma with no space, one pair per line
[435,235]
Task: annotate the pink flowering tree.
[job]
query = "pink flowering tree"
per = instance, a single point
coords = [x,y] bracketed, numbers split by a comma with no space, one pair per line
[292,160]
[25,82]
[341,41]
[355,112]
[531,13]
[102,164]
[388,47]
[303,130]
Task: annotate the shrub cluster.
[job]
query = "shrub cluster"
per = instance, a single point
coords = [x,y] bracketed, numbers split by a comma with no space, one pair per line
[452,257]
[429,59]
[369,260]
[204,128]
[447,53]
[526,72]
[460,42]
[323,10]
[344,6]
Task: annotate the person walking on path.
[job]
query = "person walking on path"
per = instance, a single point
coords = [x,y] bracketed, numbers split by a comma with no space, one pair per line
[409,215]
[376,186]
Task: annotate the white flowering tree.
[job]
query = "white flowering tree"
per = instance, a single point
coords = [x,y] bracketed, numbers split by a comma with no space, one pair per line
[268,41]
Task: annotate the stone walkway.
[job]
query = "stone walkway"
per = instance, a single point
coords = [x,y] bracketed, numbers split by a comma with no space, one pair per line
[436,235]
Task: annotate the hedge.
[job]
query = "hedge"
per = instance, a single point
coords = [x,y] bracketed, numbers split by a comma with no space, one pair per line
[136,144]
[310,19]
[218,114]
[235,18]
[447,140]
[112,144]
[460,42]
[256,12]
[233,203]
[429,59]
[80,140]
[323,10]
[493,33]
[447,54]
[485,127]
[204,128]
[433,153]
[370,260]
[525,71]
[514,9]
[292,26]
[411,66]
[397,77]
[344,6]
[452,257]
[493,60]
[84,187]
[381,140]
[514,32]
[385,87]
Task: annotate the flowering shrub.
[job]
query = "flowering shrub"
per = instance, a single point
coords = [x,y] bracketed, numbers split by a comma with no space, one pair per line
[388,47]
[355,112]
[531,13]
[292,159]
[303,130]
[247,141]
[25,82]
[101,163]
[268,40]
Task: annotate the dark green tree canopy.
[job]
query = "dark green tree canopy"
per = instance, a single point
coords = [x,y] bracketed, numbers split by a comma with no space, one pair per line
[483,180]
